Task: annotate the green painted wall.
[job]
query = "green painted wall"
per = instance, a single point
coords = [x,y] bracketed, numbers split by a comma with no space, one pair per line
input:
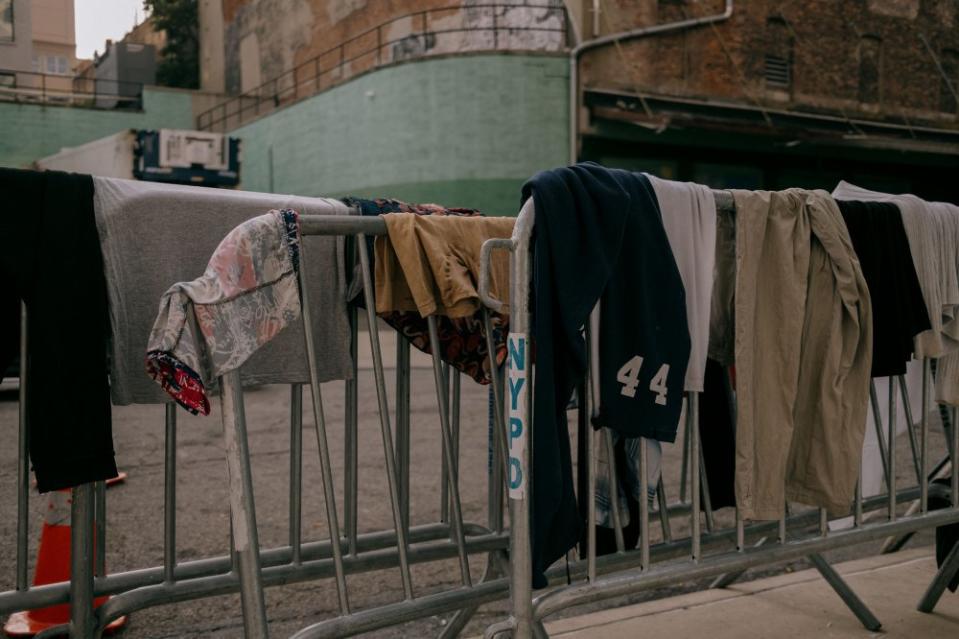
[461,131]
[29,132]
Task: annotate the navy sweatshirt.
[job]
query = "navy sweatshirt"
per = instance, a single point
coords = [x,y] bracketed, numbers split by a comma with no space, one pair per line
[598,232]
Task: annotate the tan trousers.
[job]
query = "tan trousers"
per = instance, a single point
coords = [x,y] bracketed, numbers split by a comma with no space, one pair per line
[803,352]
[431,264]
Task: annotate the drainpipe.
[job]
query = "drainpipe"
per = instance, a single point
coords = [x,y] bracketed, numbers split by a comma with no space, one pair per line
[584,46]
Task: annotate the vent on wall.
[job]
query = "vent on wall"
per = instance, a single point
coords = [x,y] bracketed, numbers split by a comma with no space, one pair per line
[777,72]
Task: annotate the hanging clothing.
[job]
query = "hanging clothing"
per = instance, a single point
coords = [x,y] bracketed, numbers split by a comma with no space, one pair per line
[154,235]
[598,232]
[462,340]
[898,309]
[50,259]
[931,229]
[431,264]
[248,293]
[803,353]
[689,217]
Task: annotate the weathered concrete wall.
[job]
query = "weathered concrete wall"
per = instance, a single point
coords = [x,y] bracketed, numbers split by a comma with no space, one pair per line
[278,35]
[830,45]
[462,131]
[29,132]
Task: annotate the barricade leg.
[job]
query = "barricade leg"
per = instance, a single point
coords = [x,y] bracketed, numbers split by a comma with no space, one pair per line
[849,597]
[949,569]
[242,511]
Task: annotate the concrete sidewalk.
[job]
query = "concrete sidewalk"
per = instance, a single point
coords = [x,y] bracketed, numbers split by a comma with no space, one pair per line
[787,606]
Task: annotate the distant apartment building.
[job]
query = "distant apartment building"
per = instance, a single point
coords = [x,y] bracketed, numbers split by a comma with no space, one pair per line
[54,37]
[16,39]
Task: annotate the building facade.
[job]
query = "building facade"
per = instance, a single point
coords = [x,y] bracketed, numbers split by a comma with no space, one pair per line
[16,39]
[777,93]
[456,101]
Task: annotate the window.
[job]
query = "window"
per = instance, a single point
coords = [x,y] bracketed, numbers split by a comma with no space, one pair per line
[778,61]
[950,70]
[6,20]
[36,64]
[56,65]
[870,69]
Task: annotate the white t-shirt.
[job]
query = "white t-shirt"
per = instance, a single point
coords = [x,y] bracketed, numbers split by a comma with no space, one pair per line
[689,217]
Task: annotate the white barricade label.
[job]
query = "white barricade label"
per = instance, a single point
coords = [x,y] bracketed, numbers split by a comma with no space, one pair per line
[518,431]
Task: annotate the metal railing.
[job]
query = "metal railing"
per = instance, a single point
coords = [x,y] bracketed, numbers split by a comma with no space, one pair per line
[248,568]
[735,548]
[431,32]
[26,87]
[710,549]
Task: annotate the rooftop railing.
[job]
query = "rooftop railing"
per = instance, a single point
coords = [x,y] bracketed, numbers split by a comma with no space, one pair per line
[431,32]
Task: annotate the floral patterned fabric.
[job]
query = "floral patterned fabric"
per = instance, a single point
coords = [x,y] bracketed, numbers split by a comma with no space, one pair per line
[210,326]
[462,340]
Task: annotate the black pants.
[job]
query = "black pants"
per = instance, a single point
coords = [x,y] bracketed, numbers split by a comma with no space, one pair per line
[50,258]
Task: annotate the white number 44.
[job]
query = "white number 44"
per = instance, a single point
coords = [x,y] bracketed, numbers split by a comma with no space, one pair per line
[628,376]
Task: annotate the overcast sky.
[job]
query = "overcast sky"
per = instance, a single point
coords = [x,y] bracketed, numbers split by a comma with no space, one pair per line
[98,20]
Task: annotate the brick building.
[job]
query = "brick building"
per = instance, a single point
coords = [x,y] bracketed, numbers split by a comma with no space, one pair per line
[781,93]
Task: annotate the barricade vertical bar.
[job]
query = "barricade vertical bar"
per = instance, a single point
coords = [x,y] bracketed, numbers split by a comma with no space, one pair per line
[707,501]
[455,421]
[684,470]
[350,441]
[907,408]
[857,511]
[591,399]
[403,425]
[323,447]
[296,471]
[100,536]
[444,470]
[891,464]
[880,437]
[23,462]
[521,590]
[663,510]
[451,465]
[384,413]
[823,522]
[169,494]
[613,489]
[82,620]
[644,504]
[954,452]
[242,510]
[500,446]
[692,419]
[923,439]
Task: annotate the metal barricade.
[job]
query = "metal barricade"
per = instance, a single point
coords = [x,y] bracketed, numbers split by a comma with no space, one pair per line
[732,549]
[720,552]
[248,568]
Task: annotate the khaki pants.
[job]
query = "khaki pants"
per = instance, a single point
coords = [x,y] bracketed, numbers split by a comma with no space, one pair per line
[803,352]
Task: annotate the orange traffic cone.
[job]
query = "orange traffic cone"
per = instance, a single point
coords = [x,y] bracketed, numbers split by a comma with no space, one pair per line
[53,565]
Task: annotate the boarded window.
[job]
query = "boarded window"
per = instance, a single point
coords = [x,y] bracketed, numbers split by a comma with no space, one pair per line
[870,69]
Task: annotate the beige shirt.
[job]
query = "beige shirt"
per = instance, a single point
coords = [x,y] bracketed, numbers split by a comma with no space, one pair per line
[431,264]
